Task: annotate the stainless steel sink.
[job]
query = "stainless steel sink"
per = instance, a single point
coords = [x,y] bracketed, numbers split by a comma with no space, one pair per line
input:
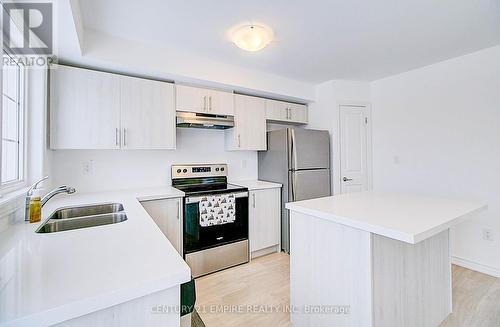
[90,210]
[83,217]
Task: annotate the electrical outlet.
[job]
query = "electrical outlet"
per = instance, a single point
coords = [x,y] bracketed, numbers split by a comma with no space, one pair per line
[487,234]
[88,167]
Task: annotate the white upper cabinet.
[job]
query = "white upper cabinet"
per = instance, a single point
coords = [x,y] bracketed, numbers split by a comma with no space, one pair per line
[249,131]
[148,114]
[85,109]
[96,110]
[207,101]
[287,112]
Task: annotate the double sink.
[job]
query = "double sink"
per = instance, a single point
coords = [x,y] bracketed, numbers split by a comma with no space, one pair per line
[82,217]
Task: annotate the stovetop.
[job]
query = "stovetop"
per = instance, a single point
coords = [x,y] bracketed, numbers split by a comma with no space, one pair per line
[203,179]
[210,188]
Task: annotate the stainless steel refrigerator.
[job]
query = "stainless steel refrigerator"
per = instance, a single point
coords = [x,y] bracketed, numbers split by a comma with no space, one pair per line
[300,160]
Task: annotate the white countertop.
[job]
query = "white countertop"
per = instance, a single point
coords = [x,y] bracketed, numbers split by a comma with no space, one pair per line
[404,217]
[50,278]
[253,185]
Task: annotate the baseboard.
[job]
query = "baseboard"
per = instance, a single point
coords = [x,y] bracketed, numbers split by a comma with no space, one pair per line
[265,251]
[488,270]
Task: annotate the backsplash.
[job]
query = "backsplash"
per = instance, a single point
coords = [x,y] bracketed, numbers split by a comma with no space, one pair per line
[103,170]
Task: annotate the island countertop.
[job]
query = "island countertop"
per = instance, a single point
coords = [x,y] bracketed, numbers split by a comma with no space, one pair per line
[50,278]
[404,217]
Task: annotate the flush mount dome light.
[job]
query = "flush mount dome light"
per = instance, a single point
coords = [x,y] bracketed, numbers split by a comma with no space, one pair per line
[251,37]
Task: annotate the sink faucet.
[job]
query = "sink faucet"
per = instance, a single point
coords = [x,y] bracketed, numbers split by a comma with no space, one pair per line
[29,194]
[60,189]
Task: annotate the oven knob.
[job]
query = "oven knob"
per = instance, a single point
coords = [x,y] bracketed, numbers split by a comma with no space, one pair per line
[216,169]
[184,170]
[178,171]
[222,169]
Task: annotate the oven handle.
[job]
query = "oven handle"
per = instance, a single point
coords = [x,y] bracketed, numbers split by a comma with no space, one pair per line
[196,199]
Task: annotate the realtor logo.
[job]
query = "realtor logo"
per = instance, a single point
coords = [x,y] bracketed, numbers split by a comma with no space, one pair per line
[28,28]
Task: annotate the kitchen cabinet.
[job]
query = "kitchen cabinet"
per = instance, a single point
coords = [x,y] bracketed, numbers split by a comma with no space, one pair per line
[206,101]
[85,109]
[167,214]
[147,114]
[96,110]
[287,112]
[249,131]
[264,217]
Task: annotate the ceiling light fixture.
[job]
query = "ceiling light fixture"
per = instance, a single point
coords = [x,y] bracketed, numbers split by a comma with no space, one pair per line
[251,37]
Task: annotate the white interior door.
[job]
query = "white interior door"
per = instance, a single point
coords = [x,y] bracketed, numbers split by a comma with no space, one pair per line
[353,149]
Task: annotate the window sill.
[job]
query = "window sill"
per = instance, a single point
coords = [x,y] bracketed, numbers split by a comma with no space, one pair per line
[12,196]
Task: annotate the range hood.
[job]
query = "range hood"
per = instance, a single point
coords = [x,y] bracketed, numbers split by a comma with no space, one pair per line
[198,120]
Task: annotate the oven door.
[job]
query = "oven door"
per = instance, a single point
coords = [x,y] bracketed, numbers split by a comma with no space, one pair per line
[198,238]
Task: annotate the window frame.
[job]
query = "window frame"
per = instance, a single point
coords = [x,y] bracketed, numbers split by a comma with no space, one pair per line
[20,183]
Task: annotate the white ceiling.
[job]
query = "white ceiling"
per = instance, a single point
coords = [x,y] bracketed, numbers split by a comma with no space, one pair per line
[315,40]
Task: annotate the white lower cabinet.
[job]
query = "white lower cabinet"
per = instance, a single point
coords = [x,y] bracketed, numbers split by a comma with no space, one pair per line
[167,214]
[264,216]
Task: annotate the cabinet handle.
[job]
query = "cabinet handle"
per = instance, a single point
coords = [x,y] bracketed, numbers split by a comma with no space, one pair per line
[205,103]
[124,137]
[290,113]
[239,141]
[210,103]
[117,138]
[253,196]
[178,210]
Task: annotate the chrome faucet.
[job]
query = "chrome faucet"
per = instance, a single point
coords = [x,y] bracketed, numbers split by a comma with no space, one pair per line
[58,190]
[47,197]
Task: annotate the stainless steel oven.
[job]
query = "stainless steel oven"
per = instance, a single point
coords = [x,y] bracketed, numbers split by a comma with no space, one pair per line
[208,249]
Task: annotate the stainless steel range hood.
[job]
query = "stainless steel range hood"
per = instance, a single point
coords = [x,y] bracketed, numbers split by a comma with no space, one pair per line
[198,120]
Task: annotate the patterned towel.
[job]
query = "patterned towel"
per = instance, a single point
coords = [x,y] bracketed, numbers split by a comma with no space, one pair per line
[217,210]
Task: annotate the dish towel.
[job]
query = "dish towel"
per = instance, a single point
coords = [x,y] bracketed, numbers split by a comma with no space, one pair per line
[217,210]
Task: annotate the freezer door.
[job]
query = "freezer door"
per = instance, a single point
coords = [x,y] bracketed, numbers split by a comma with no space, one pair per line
[309,149]
[309,184]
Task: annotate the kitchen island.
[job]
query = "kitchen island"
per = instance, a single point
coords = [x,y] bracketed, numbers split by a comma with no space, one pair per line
[373,259]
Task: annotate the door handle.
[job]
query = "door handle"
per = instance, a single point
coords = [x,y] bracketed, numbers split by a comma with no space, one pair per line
[345,179]
[210,103]
[253,196]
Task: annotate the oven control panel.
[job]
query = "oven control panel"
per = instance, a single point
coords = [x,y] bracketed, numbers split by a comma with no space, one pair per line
[194,171]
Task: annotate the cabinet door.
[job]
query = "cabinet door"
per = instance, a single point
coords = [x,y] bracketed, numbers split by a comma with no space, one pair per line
[148,114]
[221,103]
[249,132]
[84,109]
[276,110]
[286,112]
[264,219]
[167,214]
[298,113]
[192,99]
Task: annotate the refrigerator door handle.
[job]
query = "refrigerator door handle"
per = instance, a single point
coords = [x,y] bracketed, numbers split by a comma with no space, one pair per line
[292,185]
[293,151]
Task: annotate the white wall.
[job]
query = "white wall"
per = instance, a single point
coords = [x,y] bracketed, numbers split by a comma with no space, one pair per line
[436,130]
[324,114]
[115,169]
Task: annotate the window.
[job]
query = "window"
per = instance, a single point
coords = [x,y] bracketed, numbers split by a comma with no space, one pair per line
[12,127]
